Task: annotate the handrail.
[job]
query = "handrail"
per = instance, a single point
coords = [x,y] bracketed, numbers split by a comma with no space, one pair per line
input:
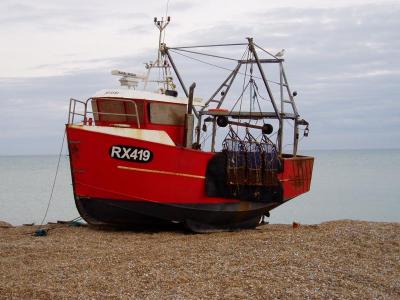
[72,110]
[72,113]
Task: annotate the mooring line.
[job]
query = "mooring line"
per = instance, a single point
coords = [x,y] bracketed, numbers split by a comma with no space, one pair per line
[54,180]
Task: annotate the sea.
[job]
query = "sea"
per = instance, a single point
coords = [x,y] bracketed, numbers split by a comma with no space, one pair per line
[347,184]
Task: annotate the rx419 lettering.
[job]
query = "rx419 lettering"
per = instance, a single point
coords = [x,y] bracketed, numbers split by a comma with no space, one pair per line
[129,153]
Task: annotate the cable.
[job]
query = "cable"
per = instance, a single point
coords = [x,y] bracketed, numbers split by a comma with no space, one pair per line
[212,45]
[262,49]
[202,61]
[207,54]
[298,142]
[55,179]
[217,66]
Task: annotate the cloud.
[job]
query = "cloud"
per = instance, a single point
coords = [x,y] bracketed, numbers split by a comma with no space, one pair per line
[175,6]
[343,61]
[48,16]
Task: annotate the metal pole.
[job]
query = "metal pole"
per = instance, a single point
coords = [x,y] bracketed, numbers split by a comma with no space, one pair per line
[253,50]
[247,125]
[86,103]
[231,77]
[296,137]
[189,121]
[176,71]
[69,114]
[159,46]
[165,50]
[198,129]
[290,93]
[280,133]
[73,114]
[190,103]
[228,87]
[296,125]
[214,132]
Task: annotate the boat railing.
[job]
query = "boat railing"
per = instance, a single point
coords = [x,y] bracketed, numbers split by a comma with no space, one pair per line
[72,110]
[85,112]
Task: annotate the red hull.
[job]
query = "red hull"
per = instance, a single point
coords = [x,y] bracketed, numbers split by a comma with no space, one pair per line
[175,176]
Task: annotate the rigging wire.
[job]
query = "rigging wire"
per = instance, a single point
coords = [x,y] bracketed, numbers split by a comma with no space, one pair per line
[244,89]
[246,53]
[300,139]
[262,49]
[254,90]
[204,135]
[207,54]
[256,97]
[209,46]
[259,95]
[240,97]
[205,138]
[217,66]
[202,61]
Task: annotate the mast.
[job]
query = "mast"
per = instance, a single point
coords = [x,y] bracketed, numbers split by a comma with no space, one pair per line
[161,25]
[161,62]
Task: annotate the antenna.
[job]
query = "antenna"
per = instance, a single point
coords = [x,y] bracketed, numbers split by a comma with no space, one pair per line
[166,14]
[128,79]
[161,25]
[161,63]
[165,83]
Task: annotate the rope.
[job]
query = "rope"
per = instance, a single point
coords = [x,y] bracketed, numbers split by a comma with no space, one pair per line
[54,180]
[76,222]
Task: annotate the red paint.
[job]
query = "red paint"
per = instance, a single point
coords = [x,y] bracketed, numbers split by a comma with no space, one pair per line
[96,174]
[296,176]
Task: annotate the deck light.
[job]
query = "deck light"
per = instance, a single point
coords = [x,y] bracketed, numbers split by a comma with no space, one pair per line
[222,121]
[267,129]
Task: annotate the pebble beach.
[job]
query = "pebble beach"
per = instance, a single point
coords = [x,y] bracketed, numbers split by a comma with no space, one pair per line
[337,259]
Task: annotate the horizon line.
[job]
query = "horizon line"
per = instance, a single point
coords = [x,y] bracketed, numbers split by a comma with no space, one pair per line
[304,150]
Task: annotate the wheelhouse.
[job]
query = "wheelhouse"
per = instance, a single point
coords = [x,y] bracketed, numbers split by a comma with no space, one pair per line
[157,113]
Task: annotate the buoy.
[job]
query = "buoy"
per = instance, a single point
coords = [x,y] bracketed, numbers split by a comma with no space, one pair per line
[295,225]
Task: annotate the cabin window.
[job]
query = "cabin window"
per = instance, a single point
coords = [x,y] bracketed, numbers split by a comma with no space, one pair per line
[117,111]
[167,113]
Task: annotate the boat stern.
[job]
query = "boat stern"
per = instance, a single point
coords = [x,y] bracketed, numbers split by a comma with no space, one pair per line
[296,175]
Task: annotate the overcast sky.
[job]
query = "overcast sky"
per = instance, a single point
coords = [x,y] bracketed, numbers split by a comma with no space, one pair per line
[343,58]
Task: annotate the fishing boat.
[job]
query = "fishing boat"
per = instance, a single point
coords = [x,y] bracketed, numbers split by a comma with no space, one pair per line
[151,153]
